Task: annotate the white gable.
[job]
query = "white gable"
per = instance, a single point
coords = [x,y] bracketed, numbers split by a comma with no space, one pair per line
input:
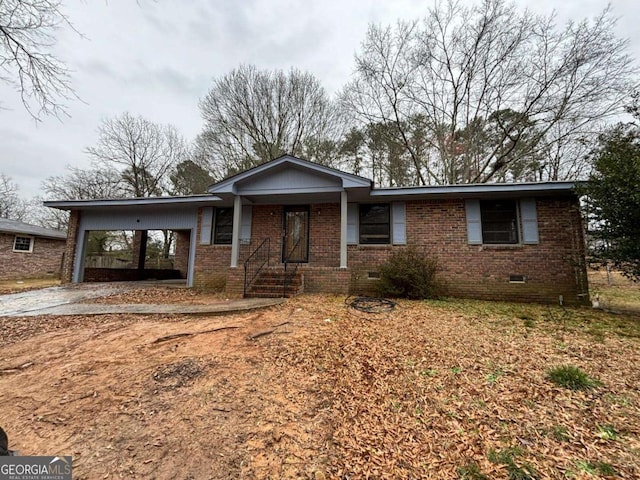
[288,179]
[287,175]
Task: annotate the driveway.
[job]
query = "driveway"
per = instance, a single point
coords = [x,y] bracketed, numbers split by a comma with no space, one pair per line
[28,303]
[76,300]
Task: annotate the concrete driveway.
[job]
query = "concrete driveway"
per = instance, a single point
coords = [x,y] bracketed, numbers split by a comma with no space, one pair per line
[76,300]
[28,303]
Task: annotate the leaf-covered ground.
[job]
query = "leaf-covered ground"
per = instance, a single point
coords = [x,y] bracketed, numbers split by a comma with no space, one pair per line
[436,389]
[440,389]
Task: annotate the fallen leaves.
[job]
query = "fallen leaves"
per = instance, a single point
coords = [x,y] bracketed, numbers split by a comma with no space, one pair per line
[423,391]
[419,392]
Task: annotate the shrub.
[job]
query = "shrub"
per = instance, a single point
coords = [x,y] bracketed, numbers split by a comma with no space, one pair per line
[408,273]
[571,377]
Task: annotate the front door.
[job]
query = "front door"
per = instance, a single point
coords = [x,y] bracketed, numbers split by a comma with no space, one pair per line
[295,244]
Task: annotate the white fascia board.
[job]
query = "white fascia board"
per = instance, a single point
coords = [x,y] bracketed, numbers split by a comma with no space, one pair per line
[477,189]
[132,202]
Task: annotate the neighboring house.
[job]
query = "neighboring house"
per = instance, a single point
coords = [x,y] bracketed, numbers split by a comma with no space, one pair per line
[333,229]
[29,251]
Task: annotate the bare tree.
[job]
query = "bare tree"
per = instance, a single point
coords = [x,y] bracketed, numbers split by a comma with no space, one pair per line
[143,152]
[84,184]
[253,116]
[77,184]
[11,205]
[26,61]
[493,89]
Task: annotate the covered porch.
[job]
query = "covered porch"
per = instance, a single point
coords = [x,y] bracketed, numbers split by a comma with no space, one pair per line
[287,215]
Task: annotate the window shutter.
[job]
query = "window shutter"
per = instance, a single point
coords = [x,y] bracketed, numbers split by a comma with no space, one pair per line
[398,217]
[245,224]
[352,223]
[205,226]
[474,222]
[529,219]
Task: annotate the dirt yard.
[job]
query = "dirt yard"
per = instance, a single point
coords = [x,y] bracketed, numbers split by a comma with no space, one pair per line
[313,389]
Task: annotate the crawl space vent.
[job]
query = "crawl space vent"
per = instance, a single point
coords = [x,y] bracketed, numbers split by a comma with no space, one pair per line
[517,279]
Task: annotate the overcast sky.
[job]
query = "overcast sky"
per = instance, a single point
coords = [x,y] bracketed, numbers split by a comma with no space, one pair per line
[157,59]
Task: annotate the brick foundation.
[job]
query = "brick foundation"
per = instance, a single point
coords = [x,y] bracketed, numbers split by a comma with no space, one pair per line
[129,274]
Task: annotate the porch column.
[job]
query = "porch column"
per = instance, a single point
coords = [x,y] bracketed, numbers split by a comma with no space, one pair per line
[343,229]
[235,235]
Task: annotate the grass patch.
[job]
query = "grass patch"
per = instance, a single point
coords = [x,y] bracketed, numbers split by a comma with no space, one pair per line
[515,471]
[596,468]
[614,291]
[548,318]
[571,377]
[14,286]
[471,471]
[560,433]
[607,432]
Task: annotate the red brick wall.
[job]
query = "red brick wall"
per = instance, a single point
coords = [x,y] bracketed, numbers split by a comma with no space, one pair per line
[129,274]
[324,233]
[211,263]
[553,267]
[45,259]
[69,255]
[325,280]
[181,258]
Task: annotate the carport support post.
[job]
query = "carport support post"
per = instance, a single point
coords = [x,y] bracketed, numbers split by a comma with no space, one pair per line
[235,233]
[140,247]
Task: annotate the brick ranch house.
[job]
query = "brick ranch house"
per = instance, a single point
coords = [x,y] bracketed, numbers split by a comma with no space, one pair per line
[29,251]
[331,230]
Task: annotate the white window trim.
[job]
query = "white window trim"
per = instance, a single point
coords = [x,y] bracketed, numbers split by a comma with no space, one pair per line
[31,242]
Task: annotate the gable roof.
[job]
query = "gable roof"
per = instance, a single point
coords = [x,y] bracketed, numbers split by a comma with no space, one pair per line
[16,227]
[327,177]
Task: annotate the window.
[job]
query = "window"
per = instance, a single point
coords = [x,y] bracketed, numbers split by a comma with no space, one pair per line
[374,224]
[23,244]
[223,226]
[499,221]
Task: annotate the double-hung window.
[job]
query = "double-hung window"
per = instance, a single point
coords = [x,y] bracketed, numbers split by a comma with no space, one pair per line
[375,225]
[499,221]
[502,221]
[223,226]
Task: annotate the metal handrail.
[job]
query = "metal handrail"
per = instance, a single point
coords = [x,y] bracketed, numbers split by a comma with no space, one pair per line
[255,262]
[289,277]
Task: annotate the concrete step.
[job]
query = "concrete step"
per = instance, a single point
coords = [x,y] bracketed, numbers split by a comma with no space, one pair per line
[273,288]
[277,281]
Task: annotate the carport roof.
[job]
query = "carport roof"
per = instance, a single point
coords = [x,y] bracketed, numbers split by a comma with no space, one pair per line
[131,202]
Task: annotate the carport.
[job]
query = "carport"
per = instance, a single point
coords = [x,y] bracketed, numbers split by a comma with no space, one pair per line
[178,214]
